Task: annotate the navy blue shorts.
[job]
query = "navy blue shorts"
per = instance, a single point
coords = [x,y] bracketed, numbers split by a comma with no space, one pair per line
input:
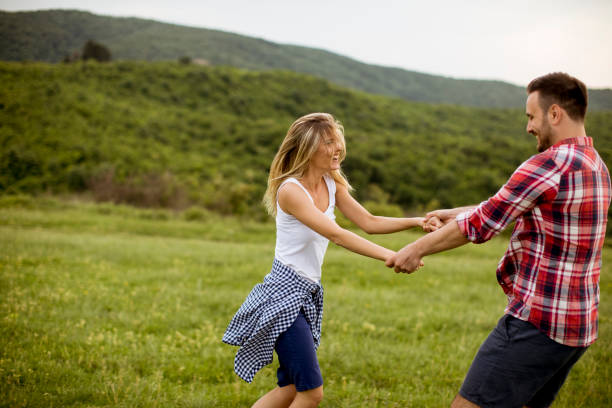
[297,357]
[518,365]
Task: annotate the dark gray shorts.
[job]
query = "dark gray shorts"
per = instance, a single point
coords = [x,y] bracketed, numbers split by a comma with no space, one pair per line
[518,365]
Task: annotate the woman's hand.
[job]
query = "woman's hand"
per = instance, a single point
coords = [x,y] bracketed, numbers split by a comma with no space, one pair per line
[391,256]
[420,222]
[434,220]
[432,223]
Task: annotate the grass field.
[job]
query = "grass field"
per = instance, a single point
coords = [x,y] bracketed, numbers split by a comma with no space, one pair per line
[111,306]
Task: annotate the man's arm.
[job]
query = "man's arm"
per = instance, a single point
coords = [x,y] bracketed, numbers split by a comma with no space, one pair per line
[536,180]
[435,220]
[409,258]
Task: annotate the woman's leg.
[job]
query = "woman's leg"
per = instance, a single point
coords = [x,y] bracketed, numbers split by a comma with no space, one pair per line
[308,399]
[282,397]
[298,364]
[279,397]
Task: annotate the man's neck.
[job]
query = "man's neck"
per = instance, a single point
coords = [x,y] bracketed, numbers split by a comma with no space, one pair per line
[570,130]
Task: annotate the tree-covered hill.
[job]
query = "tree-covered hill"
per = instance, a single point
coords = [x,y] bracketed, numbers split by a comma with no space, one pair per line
[51,35]
[166,134]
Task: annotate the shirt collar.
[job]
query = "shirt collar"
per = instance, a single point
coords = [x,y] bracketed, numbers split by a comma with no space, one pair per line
[585,141]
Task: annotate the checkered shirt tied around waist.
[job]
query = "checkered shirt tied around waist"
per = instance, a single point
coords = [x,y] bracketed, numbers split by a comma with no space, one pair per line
[269,310]
[550,272]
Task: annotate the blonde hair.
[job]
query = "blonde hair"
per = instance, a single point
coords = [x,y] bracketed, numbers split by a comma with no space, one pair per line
[296,150]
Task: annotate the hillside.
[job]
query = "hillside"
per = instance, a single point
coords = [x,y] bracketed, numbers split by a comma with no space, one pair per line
[165,134]
[52,34]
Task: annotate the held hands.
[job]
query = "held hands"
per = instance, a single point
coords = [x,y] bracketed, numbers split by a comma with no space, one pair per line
[432,223]
[435,220]
[409,259]
[406,260]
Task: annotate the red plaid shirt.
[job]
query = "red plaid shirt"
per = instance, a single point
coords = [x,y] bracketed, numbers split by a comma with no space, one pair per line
[550,271]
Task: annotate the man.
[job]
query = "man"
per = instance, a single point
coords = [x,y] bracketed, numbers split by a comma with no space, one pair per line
[550,271]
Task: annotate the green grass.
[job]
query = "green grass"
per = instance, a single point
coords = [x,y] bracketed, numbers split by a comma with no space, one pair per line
[112,306]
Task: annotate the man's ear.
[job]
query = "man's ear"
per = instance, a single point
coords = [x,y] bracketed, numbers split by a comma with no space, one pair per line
[555,113]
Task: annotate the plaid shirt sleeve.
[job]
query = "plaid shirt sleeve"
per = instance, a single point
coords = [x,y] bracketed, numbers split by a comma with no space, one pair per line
[536,180]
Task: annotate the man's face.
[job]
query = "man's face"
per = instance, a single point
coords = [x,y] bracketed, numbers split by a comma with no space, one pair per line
[537,122]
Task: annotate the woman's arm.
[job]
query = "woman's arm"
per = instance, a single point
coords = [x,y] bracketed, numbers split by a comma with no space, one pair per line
[369,223]
[294,201]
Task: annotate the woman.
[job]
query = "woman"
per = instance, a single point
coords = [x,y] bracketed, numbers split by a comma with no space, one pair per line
[284,312]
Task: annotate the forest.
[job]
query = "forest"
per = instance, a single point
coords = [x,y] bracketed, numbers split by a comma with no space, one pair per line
[175,135]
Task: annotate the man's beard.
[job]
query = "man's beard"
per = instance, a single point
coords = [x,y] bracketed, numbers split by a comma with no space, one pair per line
[545,135]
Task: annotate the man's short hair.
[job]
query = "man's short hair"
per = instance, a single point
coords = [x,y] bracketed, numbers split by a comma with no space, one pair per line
[566,91]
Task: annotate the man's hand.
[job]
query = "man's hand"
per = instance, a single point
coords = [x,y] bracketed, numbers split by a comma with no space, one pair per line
[406,260]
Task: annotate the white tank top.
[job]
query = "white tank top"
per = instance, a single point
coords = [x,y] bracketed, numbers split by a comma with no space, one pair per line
[298,246]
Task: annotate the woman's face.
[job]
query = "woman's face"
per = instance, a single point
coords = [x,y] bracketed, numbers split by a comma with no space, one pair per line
[327,156]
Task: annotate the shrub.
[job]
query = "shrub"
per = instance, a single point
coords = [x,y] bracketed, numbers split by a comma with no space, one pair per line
[383,209]
[149,190]
[17,200]
[96,51]
[157,214]
[17,165]
[196,214]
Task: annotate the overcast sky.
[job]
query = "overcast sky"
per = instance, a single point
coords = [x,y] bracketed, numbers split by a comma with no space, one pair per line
[509,40]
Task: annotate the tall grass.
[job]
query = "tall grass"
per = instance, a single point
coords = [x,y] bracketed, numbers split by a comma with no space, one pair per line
[105,305]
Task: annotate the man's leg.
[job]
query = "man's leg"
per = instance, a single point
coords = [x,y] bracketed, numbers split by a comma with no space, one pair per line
[547,394]
[514,363]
